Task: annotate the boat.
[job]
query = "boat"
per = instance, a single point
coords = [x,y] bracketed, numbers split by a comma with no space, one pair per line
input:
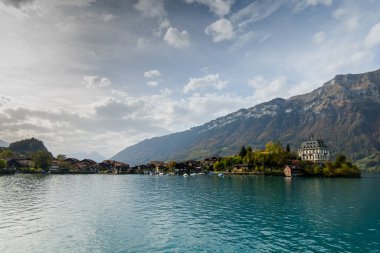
[185,175]
[161,174]
[220,175]
[193,174]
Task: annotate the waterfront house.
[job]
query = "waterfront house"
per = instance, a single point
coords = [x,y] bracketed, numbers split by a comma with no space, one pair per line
[159,166]
[71,165]
[115,167]
[240,168]
[182,167]
[87,166]
[314,150]
[293,171]
[55,166]
[19,163]
[121,168]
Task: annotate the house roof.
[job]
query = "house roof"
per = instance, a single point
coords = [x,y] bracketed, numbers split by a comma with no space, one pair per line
[312,144]
[294,167]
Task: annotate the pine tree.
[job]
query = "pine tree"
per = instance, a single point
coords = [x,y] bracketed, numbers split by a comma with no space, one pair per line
[243,152]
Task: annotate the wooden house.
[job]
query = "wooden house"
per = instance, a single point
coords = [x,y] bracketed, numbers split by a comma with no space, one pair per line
[293,171]
[17,163]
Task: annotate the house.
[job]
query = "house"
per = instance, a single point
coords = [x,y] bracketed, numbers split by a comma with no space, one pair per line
[121,168]
[55,166]
[159,166]
[115,167]
[87,166]
[181,168]
[70,164]
[293,171]
[314,150]
[240,168]
[18,163]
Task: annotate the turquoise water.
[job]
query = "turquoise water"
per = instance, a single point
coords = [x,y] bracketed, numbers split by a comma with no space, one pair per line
[131,213]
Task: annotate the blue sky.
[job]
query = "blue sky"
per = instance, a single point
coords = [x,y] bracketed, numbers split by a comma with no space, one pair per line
[97,75]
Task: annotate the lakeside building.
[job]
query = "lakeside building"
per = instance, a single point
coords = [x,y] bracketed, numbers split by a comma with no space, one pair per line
[314,150]
[293,171]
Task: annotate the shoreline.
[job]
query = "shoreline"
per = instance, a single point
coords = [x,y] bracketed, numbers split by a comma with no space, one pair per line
[213,173]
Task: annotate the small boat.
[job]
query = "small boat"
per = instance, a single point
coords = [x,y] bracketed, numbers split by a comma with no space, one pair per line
[161,174]
[185,175]
[220,175]
[193,174]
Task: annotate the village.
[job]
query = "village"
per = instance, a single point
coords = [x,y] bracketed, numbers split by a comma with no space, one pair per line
[312,158]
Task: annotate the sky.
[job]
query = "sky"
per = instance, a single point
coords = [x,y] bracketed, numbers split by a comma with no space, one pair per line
[101,75]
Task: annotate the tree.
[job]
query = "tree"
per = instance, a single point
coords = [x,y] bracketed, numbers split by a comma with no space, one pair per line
[287,148]
[249,149]
[3,164]
[7,153]
[274,147]
[218,166]
[42,159]
[171,165]
[243,152]
[340,159]
[61,157]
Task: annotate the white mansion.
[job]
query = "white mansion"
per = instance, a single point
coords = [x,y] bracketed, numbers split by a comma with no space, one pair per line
[314,150]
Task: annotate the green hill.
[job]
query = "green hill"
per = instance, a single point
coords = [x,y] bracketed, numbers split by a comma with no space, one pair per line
[27,147]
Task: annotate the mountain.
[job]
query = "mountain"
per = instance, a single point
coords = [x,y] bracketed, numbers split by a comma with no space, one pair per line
[27,147]
[3,144]
[93,156]
[345,112]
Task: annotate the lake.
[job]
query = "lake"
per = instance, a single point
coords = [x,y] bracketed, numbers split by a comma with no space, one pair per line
[135,213]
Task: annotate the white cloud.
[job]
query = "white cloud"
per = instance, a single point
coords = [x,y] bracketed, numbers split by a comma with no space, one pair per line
[16,10]
[348,17]
[108,17]
[316,2]
[219,7]
[111,108]
[300,5]
[340,13]
[220,30]
[95,82]
[212,81]
[255,11]
[152,83]
[164,25]
[17,3]
[373,37]
[244,39]
[4,100]
[119,93]
[151,8]
[142,42]
[319,37]
[265,89]
[176,38]
[152,73]
[352,23]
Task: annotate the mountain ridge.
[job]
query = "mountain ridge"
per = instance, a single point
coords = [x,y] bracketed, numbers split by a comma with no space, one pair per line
[345,111]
